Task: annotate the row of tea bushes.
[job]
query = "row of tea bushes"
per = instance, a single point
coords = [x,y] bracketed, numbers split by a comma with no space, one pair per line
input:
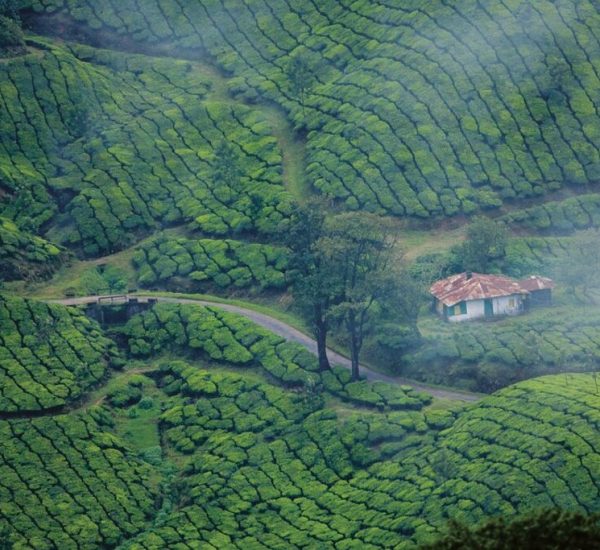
[225,263]
[228,337]
[50,355]
[558,217]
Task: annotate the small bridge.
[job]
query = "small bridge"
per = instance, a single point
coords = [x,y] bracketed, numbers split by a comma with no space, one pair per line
[112,309]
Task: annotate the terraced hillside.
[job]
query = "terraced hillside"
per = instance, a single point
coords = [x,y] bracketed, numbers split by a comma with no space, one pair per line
[421,109]
[165,144]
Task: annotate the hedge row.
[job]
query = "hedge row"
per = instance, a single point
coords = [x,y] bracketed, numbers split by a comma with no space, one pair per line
[67,483]
[225,263]
[228,337]
[488,356]
[124,143]
[412,109]
[558,217]
[50,355]
[23,255]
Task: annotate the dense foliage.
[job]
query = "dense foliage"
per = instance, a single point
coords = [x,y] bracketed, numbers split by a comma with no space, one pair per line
[551,529]
[12,40]
[225,263]
[122,143]
[419,108]
[49,355]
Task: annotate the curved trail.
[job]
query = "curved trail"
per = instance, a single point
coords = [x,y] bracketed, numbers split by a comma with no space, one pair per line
[289,333]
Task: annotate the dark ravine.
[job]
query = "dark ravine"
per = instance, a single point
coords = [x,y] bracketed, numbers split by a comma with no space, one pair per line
[293,335]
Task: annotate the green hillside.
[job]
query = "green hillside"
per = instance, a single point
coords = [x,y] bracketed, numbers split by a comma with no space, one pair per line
[424,109]
[245,177]
[110,147]
[243,458]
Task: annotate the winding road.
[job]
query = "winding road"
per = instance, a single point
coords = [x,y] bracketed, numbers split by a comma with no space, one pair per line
[285,331]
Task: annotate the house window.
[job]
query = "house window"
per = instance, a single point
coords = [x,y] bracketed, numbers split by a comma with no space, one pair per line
[459,309]
[511,303]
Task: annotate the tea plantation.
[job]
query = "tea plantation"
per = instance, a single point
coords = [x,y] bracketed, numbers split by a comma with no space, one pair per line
[100,148]
[417,109]
[249,456]
[166,145]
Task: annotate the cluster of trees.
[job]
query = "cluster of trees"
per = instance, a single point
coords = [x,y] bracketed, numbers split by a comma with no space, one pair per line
[229,337]
[225,263]
[67,482]
[50,355]
[343,272]
[549,529]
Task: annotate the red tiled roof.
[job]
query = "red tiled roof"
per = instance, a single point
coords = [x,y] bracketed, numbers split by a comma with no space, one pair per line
[459,288]
[535,282]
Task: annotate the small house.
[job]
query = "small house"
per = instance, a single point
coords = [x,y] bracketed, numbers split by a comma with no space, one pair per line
[474,295]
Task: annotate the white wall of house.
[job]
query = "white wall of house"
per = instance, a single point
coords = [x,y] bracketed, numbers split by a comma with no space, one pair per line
[474,311]
[505,305]
[508,305]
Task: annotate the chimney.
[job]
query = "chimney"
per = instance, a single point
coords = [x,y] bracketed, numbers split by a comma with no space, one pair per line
[468,275]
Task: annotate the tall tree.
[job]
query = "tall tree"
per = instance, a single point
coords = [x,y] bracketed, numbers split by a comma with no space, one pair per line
[312,279]
[485,244]
[300,72]
[358,251]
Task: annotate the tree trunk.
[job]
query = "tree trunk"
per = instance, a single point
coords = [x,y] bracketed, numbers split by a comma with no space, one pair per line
[321,336]
[354,355]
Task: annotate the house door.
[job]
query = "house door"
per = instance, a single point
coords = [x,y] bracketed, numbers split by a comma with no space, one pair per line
[488,308]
